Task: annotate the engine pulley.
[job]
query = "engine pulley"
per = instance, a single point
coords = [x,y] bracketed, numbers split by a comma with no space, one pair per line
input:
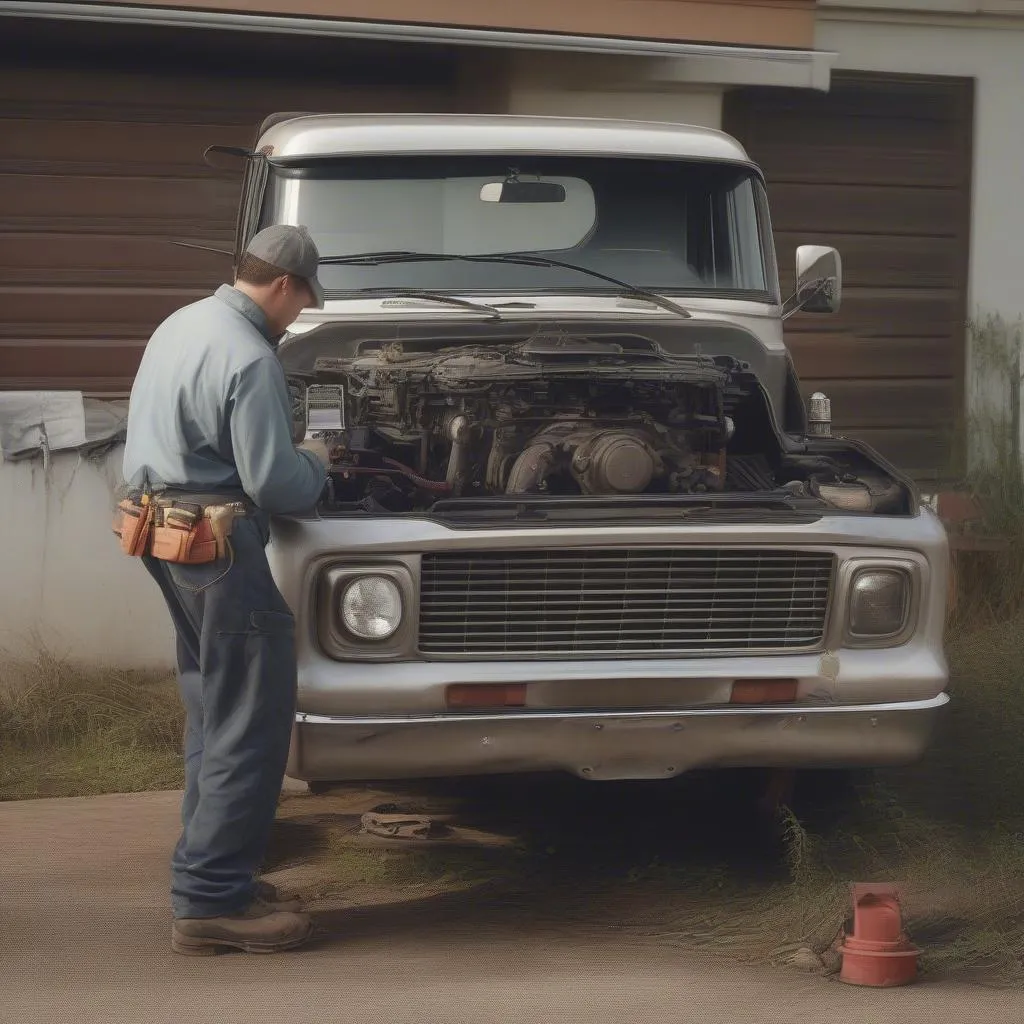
[613,462]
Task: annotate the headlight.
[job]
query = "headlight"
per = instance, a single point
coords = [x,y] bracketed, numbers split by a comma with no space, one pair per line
[371,607]
[879,603]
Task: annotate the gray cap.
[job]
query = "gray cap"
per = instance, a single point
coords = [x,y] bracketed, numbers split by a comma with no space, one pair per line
[292,250]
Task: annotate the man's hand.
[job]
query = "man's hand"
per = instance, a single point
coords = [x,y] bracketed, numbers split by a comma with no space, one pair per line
[319,449]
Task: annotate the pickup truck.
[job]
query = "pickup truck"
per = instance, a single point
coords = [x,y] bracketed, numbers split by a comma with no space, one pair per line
[580,518]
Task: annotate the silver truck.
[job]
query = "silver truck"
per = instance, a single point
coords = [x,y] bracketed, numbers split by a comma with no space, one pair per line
[580,517]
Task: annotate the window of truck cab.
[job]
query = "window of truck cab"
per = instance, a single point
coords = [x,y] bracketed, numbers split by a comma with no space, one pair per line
[677,227]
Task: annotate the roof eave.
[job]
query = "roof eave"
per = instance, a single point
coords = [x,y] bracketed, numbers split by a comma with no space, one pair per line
[707,63]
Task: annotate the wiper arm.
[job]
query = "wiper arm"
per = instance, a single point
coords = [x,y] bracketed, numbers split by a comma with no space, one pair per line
[376,259]
[449,300]
[373,259]
[628,290]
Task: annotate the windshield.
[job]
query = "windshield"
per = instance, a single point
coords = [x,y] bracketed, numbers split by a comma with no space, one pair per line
[665,225]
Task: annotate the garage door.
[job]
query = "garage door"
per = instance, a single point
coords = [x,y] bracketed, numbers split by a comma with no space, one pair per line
[879,167]
[101,167]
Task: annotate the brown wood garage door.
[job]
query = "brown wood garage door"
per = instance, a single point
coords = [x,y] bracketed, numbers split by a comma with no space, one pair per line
[879,167]
[101,167]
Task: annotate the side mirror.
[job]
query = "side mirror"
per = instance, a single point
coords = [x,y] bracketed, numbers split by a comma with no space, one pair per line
[819,281]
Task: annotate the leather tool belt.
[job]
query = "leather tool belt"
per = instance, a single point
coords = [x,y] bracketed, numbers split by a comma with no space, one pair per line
[176,529]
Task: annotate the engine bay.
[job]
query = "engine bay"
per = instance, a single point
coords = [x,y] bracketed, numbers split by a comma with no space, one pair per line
[570,416]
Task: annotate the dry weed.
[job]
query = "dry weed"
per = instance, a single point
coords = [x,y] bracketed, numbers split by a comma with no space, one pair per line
[68,731]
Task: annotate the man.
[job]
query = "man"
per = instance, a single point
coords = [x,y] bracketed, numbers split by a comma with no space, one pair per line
[209,422]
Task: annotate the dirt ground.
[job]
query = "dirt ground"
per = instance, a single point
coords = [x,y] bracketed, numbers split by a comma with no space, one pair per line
[535,906]
[694,864]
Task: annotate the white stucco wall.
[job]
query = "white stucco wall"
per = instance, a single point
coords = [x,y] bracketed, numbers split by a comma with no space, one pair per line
[64,582]
[993,55]
[575,85]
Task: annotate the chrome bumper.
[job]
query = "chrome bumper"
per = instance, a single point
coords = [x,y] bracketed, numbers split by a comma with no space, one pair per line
[611,745]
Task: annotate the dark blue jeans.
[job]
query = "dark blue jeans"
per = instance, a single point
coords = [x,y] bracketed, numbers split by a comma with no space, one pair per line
[236,672]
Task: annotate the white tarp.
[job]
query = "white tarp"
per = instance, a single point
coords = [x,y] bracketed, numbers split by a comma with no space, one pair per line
[41,422]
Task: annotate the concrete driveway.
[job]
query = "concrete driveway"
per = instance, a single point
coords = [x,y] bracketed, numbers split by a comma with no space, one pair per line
[84,939]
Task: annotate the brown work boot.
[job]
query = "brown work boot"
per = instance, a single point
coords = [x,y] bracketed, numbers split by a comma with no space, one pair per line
[257,929]
[267,893]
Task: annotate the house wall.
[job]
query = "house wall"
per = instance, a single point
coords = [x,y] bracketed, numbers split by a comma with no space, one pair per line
[65,585]
[64,582]
[992,54]
[939,40]
[879,167]
[103,131]
[703,107]
[561,85]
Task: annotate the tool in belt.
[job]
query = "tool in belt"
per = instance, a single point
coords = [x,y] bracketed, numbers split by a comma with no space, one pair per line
[176,530]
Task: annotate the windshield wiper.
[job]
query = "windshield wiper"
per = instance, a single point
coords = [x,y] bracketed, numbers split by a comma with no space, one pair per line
[378,259]
[412,293]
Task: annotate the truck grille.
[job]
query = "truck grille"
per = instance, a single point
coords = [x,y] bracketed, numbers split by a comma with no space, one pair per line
[641,602]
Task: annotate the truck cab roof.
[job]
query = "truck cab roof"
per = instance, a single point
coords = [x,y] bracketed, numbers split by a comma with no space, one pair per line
[296,138]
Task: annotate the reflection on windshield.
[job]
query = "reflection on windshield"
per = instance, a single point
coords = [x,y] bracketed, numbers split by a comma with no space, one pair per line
[667,226]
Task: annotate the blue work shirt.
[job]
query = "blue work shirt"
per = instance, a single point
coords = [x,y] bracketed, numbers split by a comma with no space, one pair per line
[210,411]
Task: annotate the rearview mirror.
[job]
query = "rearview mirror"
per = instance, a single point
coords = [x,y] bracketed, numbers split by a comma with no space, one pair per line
[819,281]
[515,191]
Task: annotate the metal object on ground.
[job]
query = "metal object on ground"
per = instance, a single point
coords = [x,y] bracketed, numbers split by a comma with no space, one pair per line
[878,954]
[399,826]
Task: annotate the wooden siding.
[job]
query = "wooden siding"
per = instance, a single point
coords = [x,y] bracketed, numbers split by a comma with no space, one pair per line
[101,167]
[880,168]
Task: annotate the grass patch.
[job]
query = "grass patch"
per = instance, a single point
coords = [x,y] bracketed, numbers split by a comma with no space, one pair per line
[67,731]
[962,889]
[427,866]
[963,893]
[948,830]
[89,769]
